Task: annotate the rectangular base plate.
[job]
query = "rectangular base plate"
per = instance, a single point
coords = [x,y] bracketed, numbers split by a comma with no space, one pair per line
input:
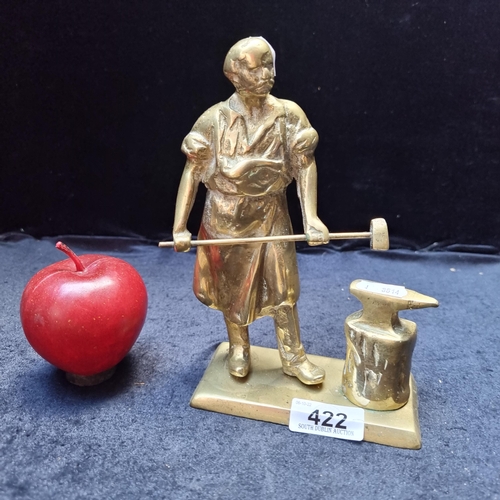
[266,394]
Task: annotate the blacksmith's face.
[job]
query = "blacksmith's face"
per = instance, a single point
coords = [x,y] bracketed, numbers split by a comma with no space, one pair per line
[256,71]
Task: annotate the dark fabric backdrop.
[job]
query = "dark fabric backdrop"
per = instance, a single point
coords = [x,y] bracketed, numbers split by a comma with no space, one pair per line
[97,97]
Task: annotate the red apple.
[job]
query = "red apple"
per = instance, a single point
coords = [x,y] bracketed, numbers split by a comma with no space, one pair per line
[84,314]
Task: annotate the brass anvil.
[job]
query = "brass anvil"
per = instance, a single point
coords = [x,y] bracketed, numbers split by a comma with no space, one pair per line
[380,345]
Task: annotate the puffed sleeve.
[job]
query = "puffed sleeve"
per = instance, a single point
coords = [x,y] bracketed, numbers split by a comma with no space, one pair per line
[302,138]
[198,146]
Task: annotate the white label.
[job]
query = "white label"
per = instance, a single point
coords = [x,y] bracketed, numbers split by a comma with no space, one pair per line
[382,288]
[312,417]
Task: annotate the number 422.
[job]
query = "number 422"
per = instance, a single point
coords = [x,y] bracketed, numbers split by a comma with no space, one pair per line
[314,417]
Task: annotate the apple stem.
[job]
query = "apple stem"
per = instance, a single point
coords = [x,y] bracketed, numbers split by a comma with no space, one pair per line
[64,248]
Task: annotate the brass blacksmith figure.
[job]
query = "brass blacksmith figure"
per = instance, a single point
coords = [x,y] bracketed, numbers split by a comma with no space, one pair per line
[246,151]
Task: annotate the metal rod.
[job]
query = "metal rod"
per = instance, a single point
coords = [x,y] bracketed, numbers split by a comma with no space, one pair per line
[268,239]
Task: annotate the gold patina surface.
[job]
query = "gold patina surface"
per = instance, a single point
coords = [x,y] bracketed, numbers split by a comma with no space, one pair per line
[266,394]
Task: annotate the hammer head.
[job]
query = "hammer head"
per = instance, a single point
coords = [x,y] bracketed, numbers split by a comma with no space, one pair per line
[379,234]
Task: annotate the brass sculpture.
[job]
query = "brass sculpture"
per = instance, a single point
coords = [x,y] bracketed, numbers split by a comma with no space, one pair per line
[246,151]
[380,345]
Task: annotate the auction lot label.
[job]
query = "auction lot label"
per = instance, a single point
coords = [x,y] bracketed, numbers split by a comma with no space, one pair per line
[382,288]
[341,422]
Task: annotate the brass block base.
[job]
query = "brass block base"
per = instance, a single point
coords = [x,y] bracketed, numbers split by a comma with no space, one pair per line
[266,394]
